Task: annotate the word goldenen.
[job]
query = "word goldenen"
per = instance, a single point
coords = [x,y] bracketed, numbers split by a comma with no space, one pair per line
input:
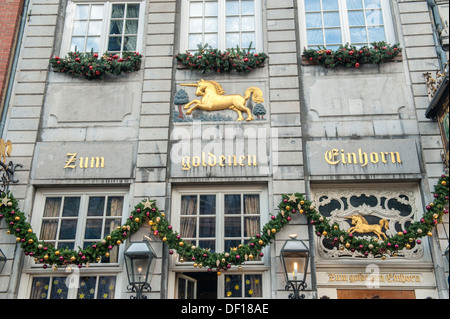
[211,160]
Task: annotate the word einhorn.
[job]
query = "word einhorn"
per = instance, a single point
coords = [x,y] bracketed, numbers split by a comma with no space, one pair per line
[336,156]
[211,160]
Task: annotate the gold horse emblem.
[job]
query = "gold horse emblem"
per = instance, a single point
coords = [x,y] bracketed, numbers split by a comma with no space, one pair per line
[214,99]
[363,227]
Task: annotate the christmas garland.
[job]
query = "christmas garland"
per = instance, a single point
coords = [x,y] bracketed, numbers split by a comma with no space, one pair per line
[147,212]
[353,57]
[91,66]
[207,59]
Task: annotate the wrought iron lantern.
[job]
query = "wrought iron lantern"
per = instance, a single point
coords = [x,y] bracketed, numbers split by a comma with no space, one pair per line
[139,258]
[3,260]
[295,258]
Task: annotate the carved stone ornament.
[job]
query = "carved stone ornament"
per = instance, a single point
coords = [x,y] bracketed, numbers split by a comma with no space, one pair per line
[367,214]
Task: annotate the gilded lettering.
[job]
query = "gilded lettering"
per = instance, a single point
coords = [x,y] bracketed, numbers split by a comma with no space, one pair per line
[242,159]
[71,162]
[212,161]
[222,160]
[343,157]
[99,162]
[232,162]
[374,158]
[383,157]
[362,158]
[252,160]
[86,162]
[196,161]
[330,277]
[395,156]
[330,157]
[351,158]
[186,163]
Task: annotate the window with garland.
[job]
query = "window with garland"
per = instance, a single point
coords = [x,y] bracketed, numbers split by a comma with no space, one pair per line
[219,219]
[331,23]
[103,26]
[67,220]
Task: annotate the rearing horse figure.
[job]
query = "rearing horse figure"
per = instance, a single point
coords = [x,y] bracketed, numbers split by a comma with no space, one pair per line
[363,227]
[214,99]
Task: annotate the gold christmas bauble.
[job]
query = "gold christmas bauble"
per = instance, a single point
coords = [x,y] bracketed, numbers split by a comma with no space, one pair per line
[72,258]
[260,242]
[164,239]
[430,234]
[274,230]
[30,230]
[347,245]
[181,243]
[137,219]
[408,246]
[118,242]
[324,233]
[107,255]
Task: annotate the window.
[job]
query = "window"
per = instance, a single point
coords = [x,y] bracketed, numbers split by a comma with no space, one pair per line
[71,219]
[219,219]
[55,287]
[78,221]
[104,26]
[204,218]
[222,24]
[331,23]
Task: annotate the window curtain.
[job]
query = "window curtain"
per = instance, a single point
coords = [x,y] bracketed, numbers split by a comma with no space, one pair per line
[251,207]
[188,224]
[51,211]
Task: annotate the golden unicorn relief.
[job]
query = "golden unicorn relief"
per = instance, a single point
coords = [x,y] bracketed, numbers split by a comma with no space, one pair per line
[363,227]
[5,150]
[214,99]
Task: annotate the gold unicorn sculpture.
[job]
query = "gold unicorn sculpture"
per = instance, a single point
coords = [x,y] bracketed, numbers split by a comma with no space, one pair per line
[214,99]
[363,227]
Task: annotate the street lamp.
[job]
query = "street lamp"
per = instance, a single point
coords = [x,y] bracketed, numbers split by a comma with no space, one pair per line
[3,260]
[295,257]
[138,260]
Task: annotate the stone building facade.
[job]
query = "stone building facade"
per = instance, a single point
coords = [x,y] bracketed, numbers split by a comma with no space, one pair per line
[110,144]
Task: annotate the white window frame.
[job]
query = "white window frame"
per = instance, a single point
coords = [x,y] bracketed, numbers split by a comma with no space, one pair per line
[31,269]
[345,28]
[184,30]
[70,15]
[261,267]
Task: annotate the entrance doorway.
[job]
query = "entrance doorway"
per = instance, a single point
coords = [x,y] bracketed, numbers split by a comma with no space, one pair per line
[375,294]
[197,285]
